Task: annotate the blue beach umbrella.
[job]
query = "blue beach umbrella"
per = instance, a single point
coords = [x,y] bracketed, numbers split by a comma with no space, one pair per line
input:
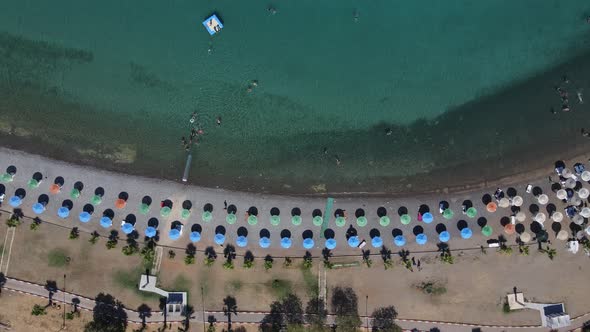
[63,212]
[219,238]
[308,243]
[377,242]
[150,232]
[264,242]
[15,201]
[286,243]
[242,241]
[427,217]
[38,208]
[399,240]
[106,222]
[84,216]
[466,233]
[444,236]
[353,241]
[174,234]
[421,239]
[195,236]
[127,228]
[331,244]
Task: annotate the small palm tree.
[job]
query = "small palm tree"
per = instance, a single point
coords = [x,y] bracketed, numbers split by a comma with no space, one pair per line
[230,308]
[367,258]
[268,262]
[386,257]
[248,260]
[307,260]
[76,303]
[51,287]
[187,313]
[74,233]
[144,312]
[551,252]
[94,237]
[288,262]
[327,253]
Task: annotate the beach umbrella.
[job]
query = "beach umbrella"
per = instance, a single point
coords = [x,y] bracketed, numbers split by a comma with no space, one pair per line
[525,237]
[275,220]
[561,194]
[557,216]
[165,211]
[399,240]
[63,212]
[583,193]
[427,217]
[578,219]
[252,219]
[543,199]
[576,201]
[520,216]
[340,221]
[241,241]
[491,207]
[207,216]
[185,213]
[308,243]
[353,241]
[361,221]
[219,238]
[471,212]
[120,203]
[562,235]
[15,201]
[405,219]
[509,229]
[174,234]
[504,202]
[231,218]
[318,220]
[586,175]
[566,173]
[384,221]
[444,236]
[150,231]
[587,230]
[421,239]
[84,217]
[296,220]
[144,208]
[33,183]
[106,222]
[540,217]
[570,183]
[195,236]
[448,214]
[331,244]
[95,200]
[38,208]
[466,233]
[376,242]
[517,201]
[75,193]
[264,242]
[487,230]
[286,243]
[127,228]
[6,177]
[585,212]
[54,188]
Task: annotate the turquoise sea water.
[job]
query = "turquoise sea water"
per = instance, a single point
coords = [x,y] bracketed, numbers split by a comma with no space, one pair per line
[459,83]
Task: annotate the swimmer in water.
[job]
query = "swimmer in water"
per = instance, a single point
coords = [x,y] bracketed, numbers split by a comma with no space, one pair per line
[249,89]
[580,99]
[355,15]
[254,83]
[193,117]
[337,160]
[218,120]
[388,131]
[272,10]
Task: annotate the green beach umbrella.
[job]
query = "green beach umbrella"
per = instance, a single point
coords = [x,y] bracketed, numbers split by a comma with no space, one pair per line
[75,193]
[143,208]
[340,221]
[95,200]
[384,221]
[448,214]
[207,216]
[296,220]
[252,219]
[471,212]
[487,230]
[231,218]
[165,211]
[318,220]
[33,183]
[6,177]
[361,221]
[185,213]
[405,219]
[275,220]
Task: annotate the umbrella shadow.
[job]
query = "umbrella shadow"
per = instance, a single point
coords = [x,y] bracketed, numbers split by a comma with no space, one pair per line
[578,186]
[20,192]
[232,209]
[504,221]
[307,234]
[2,189]
[11,170]
[176,224]
[242,231]
[534,208]
[423,209]
[316,213]
[537,191]
[575,228]
[295,212]
[99,191]
[482,222]
[130,219]
[339,213]
[275,211]
[515,209]
[153,222]
[440,228]
[555,187]
[253,211]
[519,228]
[264,233]
[402,210]
[123,195]
[556,227]
[79,185]
[359,213]
[486,199]
[462,224]
[396,231]
[187,205]
[444,204]
[329,233]
[467,204]
[536,227]
[511,192]
[147,200]
[68,203]
[418,230]
[167,203]
[196,228]
[351,231]
[88,208]
[560,164]
[59,181]
[43,199]
[220,230]
[374,233]
[37,176]
[381,211]
[285,233]
[551,208]
[109,214]
[208,207]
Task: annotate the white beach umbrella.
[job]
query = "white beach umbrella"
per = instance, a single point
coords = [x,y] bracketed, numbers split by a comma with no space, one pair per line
[557,216]
[517,201]
[583,193]
[576,200]
[540,217]
[586,175]
[561,194]
[570,183]
[566,173]
[562,235]
[585,212]
[520,216]
[504,202]
[525,237]
[578,219]
[543,199]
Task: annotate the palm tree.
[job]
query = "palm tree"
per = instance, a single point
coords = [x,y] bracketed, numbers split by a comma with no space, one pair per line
[76,303]
[229,307]
[187,313]
[163,307]
[51,287]
[2,281]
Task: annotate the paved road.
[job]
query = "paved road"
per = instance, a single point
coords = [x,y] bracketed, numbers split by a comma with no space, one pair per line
[256,317]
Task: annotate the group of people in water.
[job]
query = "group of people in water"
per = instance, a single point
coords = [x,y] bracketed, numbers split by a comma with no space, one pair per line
[195,131]
[564,95]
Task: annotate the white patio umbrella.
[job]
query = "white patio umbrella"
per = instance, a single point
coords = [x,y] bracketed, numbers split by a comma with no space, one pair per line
[570,183]
[520,216]
[578,219]
[561,194]
[557,216]
[583,193]
[588,230]
[540,217]
[504,202]
[562,235]
[543,199]
[576,200]
[566,173]
[586,175]
[585,212]
[525,237]
[517,201]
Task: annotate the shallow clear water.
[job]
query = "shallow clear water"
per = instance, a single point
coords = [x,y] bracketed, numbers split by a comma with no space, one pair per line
[118,81]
